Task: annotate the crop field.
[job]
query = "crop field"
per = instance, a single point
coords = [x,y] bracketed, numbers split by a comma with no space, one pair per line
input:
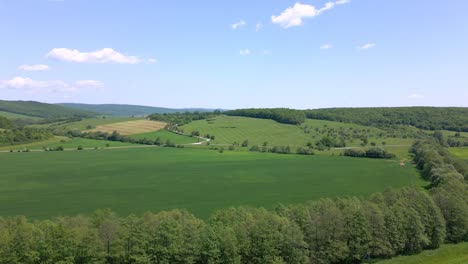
[131,127]
[166,135]
[18,116]
[461,152]
[230,129]
[67,143]
[446,254]
[136,180]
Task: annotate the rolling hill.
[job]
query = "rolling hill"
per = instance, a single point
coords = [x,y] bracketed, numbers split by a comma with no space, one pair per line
[42,110]
[129,110]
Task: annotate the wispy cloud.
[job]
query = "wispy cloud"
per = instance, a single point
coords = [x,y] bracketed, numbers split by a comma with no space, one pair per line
[30,85]
[152,60]
[258,27]
[238,24]
[416,96]
[34,67]
[106,55]
[293,16]
[244,52]
[326,46]
[367,46]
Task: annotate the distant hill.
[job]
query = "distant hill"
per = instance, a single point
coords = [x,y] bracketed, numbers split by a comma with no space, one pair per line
[129,110]
[42,110]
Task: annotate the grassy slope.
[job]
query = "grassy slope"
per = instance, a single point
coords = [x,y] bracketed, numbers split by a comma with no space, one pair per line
[447,254]
[81,125]
[66,143]
[137,180]
[229,129]
[18,116]
[165,135]
[460,152]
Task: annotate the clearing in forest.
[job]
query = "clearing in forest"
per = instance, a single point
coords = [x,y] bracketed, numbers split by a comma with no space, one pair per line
[131,127]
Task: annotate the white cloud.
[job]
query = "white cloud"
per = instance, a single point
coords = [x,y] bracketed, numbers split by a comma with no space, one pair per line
[152,60]
[416,96]
[89,84]
[35,67]
[30,85]
[258,27]
[326,46]
[106,55]
[367,46]
[238,24]
[244,52]
[293,16]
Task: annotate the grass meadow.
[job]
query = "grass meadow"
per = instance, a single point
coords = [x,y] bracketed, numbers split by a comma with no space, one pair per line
[67,143]
[131,127]
[461,152]
[166,135]
[446,254]
[47,184]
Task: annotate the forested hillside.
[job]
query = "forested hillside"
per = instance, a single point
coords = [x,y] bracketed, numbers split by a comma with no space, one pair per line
[37,109]
[282,115]
[128,110]
[5,122]
[430,118]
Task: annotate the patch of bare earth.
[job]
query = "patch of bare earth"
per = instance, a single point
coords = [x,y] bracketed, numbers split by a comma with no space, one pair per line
[131,127]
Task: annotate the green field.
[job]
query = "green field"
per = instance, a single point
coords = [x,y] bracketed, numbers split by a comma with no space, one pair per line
[461,152]
[137,180]
[67,143]
[81,125]
[446,254]
[18,116]
[229,129]
[166,135]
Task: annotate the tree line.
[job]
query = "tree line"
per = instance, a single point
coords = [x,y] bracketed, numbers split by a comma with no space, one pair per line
[281,115]
[115,136]
[429,118]
[180,119]
[23,135]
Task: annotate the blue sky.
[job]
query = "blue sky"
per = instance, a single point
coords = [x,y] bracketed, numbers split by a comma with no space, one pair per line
[236,54]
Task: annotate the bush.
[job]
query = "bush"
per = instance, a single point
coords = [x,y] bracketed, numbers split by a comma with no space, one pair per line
[304,151]
[255,148]
[80,148]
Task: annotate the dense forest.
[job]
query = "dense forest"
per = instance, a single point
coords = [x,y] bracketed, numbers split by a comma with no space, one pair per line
[430,118]
[180,119]
[341,230]
[47,111]
[281,115]
[5,123]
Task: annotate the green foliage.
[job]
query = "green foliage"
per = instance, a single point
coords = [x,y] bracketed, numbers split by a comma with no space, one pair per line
[448,176]
[281,115]
[23,135]
[374,153]
[429,118]
[180,119]
[5,122]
